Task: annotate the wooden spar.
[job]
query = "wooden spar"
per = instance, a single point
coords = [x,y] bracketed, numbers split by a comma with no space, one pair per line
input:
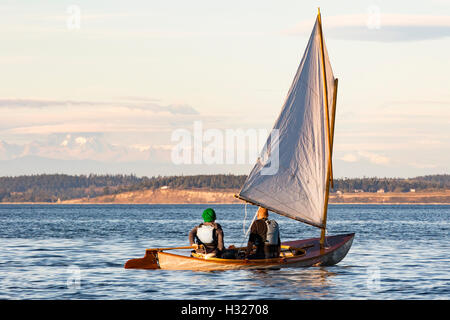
[333,122]
[334,115]
[329,167]
[277,211]
[325,89]
[322,235]
[325,209]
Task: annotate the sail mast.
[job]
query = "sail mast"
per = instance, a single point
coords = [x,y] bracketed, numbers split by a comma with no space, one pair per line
[322,235]
[324,76]
[329,168]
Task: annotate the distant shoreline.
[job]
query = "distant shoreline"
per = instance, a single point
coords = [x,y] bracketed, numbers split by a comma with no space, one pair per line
[113,203]
[226,196]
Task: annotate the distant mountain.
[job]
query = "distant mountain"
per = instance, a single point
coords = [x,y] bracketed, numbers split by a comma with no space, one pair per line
[76,147]
[80,154]
[10,151]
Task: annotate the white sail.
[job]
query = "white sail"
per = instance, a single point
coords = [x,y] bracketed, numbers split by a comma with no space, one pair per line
[290,176]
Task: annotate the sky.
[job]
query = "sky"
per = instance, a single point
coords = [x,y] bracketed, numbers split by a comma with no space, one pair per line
[105,86]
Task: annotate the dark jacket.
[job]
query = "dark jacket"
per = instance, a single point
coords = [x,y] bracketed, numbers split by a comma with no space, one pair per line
[217,245]
[258,234]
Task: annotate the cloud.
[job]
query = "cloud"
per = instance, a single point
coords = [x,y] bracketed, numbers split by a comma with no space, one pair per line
[374,158]
[40,103]
[349,158]
[45,116]
[80,141]
[142,104]
[365,155]
[378,26]
[422,165]
[83,147]
[183,109]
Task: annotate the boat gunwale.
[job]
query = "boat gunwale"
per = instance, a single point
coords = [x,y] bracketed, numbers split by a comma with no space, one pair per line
[272,261]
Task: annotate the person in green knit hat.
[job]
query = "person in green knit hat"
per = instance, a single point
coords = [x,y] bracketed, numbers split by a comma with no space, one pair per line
[209,234]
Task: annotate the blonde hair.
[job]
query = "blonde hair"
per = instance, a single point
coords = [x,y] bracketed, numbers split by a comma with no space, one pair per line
[263,212]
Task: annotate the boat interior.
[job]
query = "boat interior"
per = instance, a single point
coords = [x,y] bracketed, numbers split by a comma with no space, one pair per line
[233,253]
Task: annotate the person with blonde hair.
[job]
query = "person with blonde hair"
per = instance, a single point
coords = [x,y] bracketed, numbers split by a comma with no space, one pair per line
[265,234]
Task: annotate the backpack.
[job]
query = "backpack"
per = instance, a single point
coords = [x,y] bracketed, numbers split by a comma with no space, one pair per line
[205,234]
[273,232]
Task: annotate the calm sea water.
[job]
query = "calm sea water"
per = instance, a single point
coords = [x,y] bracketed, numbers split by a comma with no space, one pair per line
[78,252]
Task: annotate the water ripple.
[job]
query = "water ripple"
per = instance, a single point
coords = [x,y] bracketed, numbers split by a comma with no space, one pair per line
[78,252]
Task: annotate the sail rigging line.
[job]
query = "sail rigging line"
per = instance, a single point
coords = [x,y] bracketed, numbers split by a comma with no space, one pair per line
[245,218]
[243,225]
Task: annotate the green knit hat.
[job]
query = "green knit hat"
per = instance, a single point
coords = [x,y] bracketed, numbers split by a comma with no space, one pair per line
[209,215]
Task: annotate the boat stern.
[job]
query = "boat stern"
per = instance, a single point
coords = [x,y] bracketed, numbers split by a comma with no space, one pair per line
[149,261]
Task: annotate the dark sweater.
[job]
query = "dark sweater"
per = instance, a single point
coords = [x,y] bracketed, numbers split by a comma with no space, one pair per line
[258,234]
[218,238]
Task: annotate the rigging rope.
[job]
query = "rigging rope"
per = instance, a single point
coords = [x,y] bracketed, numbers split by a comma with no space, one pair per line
[243,225]
[245,218]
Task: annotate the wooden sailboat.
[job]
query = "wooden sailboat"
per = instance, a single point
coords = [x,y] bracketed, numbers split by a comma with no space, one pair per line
[292,176]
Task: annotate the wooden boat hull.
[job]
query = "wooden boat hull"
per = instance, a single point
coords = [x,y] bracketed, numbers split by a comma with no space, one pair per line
[336,249]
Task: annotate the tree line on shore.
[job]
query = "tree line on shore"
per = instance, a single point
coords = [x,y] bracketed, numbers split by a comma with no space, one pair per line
[58,187]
